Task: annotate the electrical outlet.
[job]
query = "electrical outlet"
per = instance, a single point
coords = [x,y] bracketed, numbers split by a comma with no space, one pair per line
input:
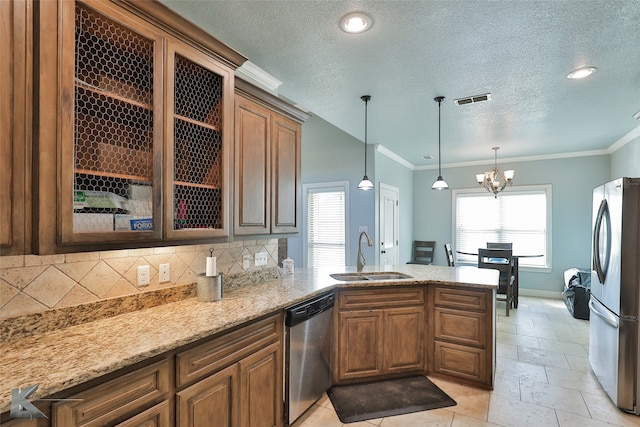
[261,258]
[164,274]
[143,275]
[246,261]
[364,228]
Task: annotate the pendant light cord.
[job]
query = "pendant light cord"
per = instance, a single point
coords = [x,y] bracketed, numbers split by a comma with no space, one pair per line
[439,149]
[366,99]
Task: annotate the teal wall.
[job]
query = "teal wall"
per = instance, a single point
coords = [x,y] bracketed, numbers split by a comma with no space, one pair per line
[626,160]
[329,154]
[572,180]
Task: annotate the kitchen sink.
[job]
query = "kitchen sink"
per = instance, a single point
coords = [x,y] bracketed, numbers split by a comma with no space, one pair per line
[382,275]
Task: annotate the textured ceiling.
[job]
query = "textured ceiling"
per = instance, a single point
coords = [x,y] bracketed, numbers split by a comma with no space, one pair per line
[519,51]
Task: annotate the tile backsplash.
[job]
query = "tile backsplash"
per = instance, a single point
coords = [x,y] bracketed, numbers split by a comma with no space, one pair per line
[31,283]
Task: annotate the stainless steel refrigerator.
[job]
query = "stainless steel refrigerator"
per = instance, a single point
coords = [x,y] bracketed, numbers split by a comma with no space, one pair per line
[614,333]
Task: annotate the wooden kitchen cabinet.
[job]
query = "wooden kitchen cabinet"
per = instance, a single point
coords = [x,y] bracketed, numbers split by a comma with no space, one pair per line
[15,121]
[379,332]
[233,380]
[197,160]
[462,335]
[119,400]
[135,125]
[267,163]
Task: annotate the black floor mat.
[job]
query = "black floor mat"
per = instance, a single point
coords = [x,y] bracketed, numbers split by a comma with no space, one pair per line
[378,399]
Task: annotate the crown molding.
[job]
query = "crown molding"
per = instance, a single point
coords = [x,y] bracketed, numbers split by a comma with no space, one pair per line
[254,74]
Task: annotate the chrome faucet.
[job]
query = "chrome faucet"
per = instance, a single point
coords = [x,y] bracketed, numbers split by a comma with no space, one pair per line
[361,261]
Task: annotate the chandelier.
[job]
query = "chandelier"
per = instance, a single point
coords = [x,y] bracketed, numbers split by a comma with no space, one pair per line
[494,181]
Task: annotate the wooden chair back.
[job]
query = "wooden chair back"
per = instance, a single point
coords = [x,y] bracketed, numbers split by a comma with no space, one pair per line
[423,252]
[501,245]
[450,260]
[501,260]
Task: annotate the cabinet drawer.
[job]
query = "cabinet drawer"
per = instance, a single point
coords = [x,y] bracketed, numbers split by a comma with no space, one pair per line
[461,298]
[158,416]
[380,298]
[463,327]
[460,361]
[211,356]
[115,399]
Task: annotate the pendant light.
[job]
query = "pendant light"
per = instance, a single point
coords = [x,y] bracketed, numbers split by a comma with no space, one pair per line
[365,184]
[440,183]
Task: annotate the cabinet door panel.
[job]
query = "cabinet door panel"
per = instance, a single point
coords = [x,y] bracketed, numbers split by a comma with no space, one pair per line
[261,403]
[198,153]
[460,361]
[403,346]
[460,326]
[211,402]
[252,158]
[158,416]
[463,299]
[115,399]
[15,119]
[285,175]
[111,126]
[360,336]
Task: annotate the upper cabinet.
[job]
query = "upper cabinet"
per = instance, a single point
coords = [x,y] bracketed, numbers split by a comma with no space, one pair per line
[111,129]
[199,130]
[135,127]
[15,122]
[267,163]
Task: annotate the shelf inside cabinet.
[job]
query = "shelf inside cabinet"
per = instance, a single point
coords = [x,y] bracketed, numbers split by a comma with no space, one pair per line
[113,93]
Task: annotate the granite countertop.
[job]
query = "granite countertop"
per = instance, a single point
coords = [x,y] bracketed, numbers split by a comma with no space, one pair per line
[63,358]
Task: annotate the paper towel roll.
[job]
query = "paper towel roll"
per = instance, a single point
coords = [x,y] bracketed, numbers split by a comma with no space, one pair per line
[211,268]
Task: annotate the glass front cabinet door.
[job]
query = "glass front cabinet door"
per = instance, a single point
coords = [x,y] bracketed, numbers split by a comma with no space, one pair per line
[143,140]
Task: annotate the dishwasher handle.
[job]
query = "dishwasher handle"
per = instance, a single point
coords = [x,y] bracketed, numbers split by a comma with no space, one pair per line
[306,310]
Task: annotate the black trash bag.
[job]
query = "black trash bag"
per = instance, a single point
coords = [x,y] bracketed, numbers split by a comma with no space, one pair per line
[576,293]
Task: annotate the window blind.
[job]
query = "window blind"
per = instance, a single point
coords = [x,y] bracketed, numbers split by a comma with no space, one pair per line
[517,217]
[325,228]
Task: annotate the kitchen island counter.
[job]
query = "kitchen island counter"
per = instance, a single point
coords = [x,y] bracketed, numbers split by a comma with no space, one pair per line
[60,359]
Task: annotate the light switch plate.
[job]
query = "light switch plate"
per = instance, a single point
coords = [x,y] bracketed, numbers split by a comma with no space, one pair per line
[164,274]
[261,259]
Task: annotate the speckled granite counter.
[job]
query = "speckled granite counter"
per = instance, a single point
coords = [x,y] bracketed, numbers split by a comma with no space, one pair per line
[64,358]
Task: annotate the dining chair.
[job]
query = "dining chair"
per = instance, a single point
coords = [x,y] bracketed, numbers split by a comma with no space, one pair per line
[501,260]
[501,245]
[514,266]
[449,252]
[423,252]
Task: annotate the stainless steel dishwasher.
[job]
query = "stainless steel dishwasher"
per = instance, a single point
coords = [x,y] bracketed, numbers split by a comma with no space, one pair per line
[308,353]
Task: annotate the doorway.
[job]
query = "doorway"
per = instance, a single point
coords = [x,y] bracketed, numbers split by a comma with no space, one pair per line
[389,207]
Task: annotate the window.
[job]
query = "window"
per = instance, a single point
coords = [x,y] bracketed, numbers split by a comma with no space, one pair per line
[520,215]
[326,224]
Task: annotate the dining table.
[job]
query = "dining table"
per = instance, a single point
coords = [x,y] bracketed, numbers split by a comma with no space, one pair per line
[516,268]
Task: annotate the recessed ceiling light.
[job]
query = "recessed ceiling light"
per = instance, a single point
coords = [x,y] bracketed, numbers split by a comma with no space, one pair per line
[356,22]
[427,157]
[581,73]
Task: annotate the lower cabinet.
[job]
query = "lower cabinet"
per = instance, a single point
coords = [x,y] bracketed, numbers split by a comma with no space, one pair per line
[126,400]
[379,332]
[463,335]
[238,379]
[232,379]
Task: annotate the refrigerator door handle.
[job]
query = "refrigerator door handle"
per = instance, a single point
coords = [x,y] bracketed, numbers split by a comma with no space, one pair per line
[605,316]
[598,266]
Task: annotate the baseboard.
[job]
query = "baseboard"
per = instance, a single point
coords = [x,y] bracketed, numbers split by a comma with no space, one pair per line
[540,294]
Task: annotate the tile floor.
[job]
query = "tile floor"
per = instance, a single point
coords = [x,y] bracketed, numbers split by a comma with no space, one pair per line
[543,379]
